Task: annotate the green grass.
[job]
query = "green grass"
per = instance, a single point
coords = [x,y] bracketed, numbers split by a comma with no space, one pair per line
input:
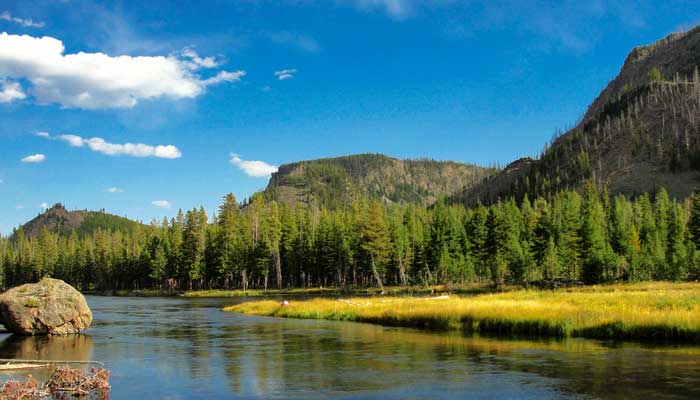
[334,291]
[132,293]
[649,311]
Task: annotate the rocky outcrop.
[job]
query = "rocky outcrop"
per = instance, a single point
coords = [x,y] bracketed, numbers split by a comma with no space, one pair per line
[50,307]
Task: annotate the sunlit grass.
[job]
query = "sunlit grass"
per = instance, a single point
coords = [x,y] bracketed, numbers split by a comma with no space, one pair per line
[330,291]
[663,311]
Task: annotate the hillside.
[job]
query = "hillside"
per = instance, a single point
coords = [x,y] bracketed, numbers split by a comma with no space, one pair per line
[333,182]
[641,133]
[58,219]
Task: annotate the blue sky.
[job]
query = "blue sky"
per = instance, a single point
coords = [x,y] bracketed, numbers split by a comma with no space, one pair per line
[142,107]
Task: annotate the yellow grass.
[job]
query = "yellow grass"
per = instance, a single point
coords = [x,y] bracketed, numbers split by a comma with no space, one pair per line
[659,310]
[334,291]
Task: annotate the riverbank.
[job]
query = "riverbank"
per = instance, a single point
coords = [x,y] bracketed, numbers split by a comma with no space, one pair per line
[357,291]
[649,311]
[133,293]
[306,292]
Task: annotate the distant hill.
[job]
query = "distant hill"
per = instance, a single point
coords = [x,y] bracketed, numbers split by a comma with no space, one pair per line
[641,133]
[58,219]
[335,182]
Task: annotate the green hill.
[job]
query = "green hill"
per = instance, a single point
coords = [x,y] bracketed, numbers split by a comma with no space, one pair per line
[58,219]
[334,182]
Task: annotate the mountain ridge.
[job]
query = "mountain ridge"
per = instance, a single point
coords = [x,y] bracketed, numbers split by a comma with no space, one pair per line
[337,181]
[642,132]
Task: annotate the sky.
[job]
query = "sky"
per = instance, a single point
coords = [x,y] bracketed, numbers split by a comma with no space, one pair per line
[144,107]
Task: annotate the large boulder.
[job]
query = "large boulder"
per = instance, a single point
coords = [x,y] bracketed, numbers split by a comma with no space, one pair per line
[50,307]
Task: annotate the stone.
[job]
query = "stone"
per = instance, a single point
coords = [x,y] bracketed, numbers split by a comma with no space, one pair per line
[50,307]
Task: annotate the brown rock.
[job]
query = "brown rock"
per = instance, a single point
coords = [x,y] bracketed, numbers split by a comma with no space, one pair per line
[50,307]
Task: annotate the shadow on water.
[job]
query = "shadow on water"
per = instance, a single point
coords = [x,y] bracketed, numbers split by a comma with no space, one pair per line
[53,348]
[71,347]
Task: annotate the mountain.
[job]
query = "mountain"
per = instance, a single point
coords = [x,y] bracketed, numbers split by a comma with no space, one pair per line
[58,219]
[334,182]
[641,133]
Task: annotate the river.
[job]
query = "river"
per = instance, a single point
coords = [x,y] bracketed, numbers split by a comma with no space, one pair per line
[179,348]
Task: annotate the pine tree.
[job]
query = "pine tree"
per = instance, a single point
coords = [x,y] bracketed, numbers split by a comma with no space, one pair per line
[551,268]
[694,221]
[159,262]
[600,263]
[228,240]
[376,240]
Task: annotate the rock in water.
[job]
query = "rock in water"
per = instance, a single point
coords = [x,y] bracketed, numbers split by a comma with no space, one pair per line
[50,307]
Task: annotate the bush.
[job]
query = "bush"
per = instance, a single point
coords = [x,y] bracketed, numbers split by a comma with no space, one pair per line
[655,75]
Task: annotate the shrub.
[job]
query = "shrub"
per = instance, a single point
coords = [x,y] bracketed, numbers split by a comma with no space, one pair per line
[655,75]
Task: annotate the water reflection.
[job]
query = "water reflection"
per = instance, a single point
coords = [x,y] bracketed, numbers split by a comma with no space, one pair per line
[188,348]
[71,347]
[54,348]
[363,359]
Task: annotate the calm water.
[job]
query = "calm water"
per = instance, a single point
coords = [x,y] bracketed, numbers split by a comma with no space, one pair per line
[175,348]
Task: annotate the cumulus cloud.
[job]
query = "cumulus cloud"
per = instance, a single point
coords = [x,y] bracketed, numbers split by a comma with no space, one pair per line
[161,203]
[97,80]
[34,158]
[257,169]
[100,145]
[44,206]
[25,22]
[286,74]
[43,134]
[10,91]
[114,189]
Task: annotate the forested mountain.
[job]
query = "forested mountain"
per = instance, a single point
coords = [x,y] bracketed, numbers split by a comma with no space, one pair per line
[640,134]
[59,220]
[336,182]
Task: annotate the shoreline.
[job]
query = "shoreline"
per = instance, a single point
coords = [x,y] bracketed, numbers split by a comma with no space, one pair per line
[656,311]
[472,289]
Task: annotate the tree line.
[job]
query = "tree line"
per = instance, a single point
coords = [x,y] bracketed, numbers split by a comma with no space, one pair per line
[569,236]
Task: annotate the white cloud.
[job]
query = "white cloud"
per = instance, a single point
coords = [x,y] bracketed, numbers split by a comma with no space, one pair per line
[161,203]
[113,190]
[27,23]
[128,149]
[286,74]
[10,91]
[97,80]
[19,207]
[73,140]
[43,134]
[223,76]
[34,158]
[257,169]
[206,62]
[44,206]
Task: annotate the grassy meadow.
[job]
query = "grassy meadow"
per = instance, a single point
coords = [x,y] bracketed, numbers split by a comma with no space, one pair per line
[653,311]
[334,291]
